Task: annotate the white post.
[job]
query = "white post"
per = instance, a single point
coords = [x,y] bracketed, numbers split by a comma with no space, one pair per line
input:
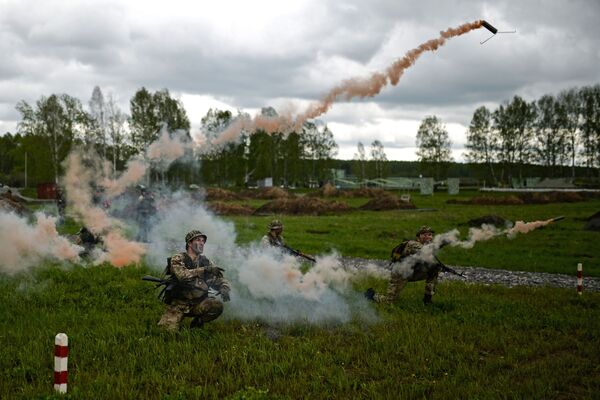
[61,352]
[579,279]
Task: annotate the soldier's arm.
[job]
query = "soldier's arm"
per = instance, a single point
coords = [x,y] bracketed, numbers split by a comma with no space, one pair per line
[264,242]
[412,247]
[216,280]
[181,272]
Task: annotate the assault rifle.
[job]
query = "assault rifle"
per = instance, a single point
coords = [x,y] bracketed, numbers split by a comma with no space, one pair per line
[169,285]
[448,269]
[298,253]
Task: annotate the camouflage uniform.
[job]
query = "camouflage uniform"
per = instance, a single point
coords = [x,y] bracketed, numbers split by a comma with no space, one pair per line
[270,240]
[421,271]
[192,299]
[145,214]
[86,239]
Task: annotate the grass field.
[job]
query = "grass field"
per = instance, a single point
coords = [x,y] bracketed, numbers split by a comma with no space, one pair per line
[556,248]
[475,342]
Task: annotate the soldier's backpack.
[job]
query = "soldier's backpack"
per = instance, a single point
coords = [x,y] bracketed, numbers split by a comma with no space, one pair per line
[397,251]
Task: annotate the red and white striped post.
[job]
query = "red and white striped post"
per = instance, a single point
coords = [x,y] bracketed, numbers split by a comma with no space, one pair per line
[61,352]
[579,279]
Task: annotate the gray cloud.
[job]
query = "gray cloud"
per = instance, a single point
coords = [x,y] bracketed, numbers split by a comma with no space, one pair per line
[297,51]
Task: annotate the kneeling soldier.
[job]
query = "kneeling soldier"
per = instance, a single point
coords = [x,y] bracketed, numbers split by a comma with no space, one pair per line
[420,271]
[190,275]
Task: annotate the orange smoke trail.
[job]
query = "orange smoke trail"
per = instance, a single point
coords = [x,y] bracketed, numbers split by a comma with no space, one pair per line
[119,250]
[349,89]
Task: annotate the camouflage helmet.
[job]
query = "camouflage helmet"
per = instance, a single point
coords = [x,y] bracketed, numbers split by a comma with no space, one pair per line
[425,229]
[275,224]
[191,235]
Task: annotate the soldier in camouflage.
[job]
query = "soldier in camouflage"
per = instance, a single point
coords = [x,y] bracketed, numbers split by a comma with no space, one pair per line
[192,275]
[145,209]
[273,236]
[420,271]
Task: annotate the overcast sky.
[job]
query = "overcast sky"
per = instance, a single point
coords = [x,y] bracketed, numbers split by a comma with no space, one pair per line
[251,54]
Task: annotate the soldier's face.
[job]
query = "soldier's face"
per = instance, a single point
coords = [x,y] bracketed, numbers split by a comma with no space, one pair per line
[197,245]
[277,232]
[426,237]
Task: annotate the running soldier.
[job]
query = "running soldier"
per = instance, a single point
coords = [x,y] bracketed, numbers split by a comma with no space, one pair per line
[421,270]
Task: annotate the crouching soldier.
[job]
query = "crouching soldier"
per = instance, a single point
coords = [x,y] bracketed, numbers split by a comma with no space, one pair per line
[88,240]
[421,270]
[189,277]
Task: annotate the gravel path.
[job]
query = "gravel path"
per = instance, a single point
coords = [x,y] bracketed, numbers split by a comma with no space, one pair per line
[499,276]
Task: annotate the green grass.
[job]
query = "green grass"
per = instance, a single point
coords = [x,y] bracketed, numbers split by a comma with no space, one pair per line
[556,248]
[475,342]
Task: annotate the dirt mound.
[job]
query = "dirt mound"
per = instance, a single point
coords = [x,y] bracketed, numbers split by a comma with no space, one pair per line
[527,198]
[593,223]
[8,205]
[267,193]
[489,201]
[387,201]
[222,208]
[221,194]
[327,190]
[551,197]
[302,206]
[495,220]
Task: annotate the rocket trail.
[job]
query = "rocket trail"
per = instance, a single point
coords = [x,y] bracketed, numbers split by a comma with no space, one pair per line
[347,90]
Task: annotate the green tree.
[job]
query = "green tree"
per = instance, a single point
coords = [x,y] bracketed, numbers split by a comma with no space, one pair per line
[482,143]
[549,133]
[433,144]
[56,121]
[360,162]
[150,112]
[292,159]
[115,125]
[590,125]
[569,101]
[227,163]
[378,159]
[97,136]
[320,148]
[513,125]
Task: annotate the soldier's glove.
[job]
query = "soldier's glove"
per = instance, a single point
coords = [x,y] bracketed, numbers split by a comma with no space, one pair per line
[214,271]
[225,296]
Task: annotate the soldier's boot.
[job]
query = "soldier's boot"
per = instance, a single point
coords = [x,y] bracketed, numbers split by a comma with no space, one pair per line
[370,294]
[197,323]
[427,299]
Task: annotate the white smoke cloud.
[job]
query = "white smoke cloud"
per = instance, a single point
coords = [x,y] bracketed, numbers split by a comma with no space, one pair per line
[266,284]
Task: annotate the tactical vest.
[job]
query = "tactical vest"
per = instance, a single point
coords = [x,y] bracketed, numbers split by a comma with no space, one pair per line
[275,241]
[398,251]
[193,291]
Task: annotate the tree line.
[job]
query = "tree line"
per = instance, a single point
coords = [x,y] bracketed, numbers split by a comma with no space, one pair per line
[49,129]
[557,132]
[560,133]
